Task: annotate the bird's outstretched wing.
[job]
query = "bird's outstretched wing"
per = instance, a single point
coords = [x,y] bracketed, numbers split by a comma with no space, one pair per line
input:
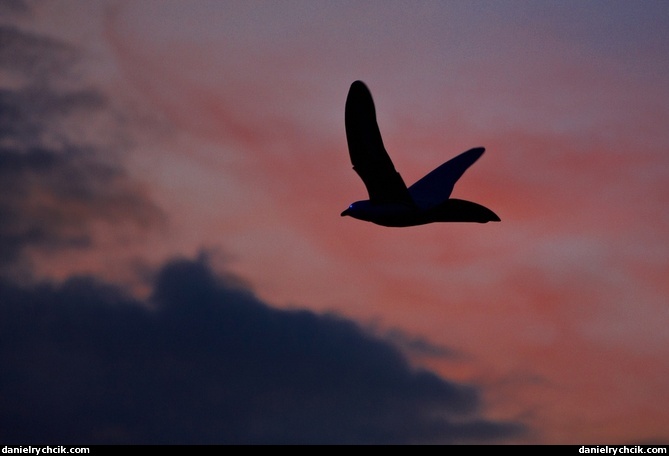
[369,157]
[437,185]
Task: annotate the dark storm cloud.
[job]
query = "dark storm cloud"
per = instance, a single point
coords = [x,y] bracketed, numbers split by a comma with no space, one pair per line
[210,363]
[59,153]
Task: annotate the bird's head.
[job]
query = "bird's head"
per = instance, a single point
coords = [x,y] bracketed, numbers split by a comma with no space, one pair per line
[357,208]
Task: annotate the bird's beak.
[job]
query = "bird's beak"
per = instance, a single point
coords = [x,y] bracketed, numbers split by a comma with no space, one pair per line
[345,212]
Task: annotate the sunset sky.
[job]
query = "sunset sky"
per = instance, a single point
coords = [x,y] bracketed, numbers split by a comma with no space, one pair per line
[174,267]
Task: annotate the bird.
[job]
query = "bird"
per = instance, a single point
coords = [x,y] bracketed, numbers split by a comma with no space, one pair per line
[390,202]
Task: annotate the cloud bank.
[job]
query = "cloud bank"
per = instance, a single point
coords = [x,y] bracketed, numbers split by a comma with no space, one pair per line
[205,361]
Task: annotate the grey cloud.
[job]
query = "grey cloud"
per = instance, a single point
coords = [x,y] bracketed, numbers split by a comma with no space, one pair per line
[50,200]
[37,116]
[419,346]
[60,153]
[211,363]
[14,8]
[34,56]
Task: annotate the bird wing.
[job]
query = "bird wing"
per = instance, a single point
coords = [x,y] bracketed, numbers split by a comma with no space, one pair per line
[437,185]
[369,157]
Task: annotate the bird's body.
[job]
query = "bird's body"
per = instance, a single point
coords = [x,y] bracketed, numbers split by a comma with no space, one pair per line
[401,215]
[390,202]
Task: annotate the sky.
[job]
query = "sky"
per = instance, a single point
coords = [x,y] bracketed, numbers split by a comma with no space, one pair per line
[174,267]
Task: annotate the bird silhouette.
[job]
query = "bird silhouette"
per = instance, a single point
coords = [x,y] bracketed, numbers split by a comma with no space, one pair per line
[390,202]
